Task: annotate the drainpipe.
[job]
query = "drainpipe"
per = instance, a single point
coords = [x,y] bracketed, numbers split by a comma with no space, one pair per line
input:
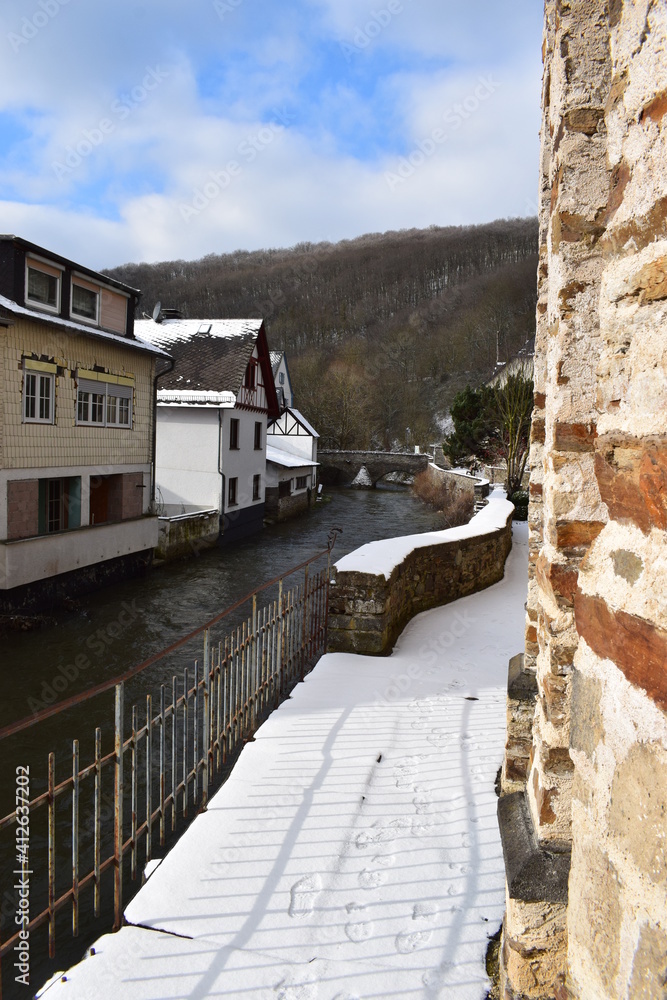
[221,473]
[154,436]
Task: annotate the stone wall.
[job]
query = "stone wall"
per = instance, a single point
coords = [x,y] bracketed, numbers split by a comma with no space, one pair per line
[368,611]
[596,629]
[279,508]
[187,534]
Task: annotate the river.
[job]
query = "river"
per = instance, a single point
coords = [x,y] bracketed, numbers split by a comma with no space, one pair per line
[118,627]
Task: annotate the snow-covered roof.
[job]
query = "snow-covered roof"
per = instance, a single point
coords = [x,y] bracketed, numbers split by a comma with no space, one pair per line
[175,331]
[209,354]
[138,344]
[304,423]
[382,557]
[288,461]
[193,397]
[276,358]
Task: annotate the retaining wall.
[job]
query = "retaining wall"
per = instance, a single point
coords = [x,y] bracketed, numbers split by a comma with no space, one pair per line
[369,607]
[187,534]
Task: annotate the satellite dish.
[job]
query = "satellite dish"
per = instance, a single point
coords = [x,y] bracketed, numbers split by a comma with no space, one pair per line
[156,312]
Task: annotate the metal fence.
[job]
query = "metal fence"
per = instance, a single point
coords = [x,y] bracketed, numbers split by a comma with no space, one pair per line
[167,750]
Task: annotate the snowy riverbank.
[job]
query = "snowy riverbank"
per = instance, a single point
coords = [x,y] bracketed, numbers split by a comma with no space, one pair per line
[354,852]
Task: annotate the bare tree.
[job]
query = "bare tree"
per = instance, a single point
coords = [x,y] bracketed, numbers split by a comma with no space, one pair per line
[513,401]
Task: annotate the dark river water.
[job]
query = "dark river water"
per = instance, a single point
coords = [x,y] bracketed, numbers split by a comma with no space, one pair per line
[116,628]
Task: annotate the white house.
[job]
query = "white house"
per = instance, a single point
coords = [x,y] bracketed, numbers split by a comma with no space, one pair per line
[291,465]
[213,409]
[282,379]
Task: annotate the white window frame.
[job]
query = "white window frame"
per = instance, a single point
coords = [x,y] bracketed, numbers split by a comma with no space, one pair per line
[41,378]
[106,391]
[80,317]
[32,264]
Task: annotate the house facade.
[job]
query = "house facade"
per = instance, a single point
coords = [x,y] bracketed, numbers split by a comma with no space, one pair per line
[281,378]
[212,414]
[291,465]
[75,429]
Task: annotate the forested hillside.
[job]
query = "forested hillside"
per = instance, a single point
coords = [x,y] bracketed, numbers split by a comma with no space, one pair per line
[380,331]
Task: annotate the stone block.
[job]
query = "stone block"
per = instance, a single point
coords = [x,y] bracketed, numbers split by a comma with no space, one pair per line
[649,968]
[595,916]
[586,725]
[638,810]
[534,874]
[636,646]
[533,952]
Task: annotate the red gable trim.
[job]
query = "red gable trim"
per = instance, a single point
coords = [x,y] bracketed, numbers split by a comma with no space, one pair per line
[267,374]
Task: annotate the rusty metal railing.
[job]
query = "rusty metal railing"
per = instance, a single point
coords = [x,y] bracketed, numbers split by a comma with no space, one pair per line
[167,751]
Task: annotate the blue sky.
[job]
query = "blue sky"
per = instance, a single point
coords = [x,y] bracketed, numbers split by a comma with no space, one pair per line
[155,129]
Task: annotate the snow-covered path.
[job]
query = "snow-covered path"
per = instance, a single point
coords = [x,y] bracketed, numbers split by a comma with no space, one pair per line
[354,851]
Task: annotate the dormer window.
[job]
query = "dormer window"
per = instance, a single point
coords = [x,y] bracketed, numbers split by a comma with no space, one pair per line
[43,286]
[85,302]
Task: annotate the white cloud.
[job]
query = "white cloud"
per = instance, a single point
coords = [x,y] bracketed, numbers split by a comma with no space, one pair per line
[217,87]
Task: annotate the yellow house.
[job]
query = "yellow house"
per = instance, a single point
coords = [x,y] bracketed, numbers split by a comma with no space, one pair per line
[76,429]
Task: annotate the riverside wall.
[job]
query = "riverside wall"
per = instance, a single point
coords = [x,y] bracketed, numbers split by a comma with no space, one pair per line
[369,610]
[587,893]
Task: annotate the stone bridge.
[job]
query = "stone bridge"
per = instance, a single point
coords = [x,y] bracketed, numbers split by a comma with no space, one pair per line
[340,468]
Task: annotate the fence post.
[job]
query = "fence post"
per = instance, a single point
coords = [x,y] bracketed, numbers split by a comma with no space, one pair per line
[52,855]
[304,630]
[207,722]
[75,838]
[279,645]
[118,811]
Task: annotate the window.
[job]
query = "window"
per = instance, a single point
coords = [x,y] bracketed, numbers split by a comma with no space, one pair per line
[103,404]
[281,378]
[233,434]
[251,374]
[59,504]
[258,435]
[38,396]
[232,491]
[85,302]
[301,482]
[256,487]
[43,287]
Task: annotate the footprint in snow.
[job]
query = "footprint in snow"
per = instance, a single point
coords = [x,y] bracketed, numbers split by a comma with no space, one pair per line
[385,860]
[371,880]
[293,987]
[425,910]
[409,941]
[303,895]
[358,929]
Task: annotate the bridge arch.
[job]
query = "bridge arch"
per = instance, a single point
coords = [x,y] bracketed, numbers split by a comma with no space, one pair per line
[341,468]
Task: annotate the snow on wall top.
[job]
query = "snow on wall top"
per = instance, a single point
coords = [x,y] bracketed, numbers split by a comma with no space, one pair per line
[382,557]
[195,397]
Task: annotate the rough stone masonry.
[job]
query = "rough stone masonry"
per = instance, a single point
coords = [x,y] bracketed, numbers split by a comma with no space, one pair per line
[585,788]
